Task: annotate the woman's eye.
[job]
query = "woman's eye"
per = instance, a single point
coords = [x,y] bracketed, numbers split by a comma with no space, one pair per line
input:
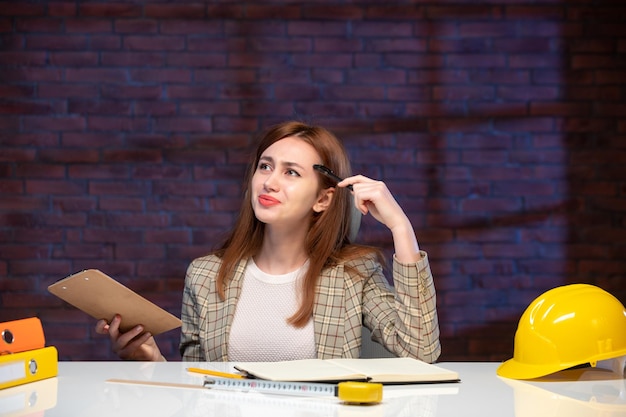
[263,166]
[293,173]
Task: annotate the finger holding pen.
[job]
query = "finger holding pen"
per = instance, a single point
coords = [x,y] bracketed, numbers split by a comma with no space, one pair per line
[371,196]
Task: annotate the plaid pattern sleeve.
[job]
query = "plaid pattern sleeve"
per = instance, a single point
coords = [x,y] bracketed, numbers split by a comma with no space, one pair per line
[404,321]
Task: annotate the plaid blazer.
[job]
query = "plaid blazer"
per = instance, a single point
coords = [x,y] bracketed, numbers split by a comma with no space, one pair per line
[404,321]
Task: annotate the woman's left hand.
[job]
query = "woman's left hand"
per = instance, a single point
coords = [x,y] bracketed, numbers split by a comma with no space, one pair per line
[372,196]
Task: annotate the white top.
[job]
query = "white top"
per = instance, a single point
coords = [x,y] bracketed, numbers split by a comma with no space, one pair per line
[260,331]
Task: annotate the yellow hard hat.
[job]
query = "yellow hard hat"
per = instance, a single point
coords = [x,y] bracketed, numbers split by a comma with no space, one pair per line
[565,327]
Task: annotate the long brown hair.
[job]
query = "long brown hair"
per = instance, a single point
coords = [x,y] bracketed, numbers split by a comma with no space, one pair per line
[327,241]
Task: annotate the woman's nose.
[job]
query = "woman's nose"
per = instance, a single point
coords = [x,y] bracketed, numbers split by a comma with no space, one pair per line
[271,182]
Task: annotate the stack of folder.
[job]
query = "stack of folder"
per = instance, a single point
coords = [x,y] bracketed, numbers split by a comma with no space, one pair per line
[24,356]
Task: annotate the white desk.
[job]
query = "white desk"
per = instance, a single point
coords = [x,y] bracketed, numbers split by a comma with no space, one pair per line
[80,390]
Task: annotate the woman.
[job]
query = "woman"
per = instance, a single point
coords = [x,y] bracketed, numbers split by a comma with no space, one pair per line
[288,283]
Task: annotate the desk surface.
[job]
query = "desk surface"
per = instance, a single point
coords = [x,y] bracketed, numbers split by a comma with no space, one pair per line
[80,390]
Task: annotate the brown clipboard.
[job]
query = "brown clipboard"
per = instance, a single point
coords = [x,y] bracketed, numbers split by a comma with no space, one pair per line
[100,296]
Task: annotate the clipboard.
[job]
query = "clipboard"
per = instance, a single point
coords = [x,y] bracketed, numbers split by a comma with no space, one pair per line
[102,297]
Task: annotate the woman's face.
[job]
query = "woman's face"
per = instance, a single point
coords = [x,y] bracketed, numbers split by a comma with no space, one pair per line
[285,187]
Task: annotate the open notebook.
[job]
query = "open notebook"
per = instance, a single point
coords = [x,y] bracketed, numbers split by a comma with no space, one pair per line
[384,370]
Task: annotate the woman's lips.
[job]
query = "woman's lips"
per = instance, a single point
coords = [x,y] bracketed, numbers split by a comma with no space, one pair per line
[266,200]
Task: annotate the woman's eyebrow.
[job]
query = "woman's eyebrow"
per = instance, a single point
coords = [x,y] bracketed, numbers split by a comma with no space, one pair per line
[287,164]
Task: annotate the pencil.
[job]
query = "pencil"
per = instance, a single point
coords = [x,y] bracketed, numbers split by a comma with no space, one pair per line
[215,373]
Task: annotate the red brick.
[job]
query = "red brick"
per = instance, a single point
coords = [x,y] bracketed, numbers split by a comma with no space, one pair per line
[486,29]
[122,204]
[100,75]
[62,9]
[168,237]
[74,59]
[171,203]
[491,205]
[62,90]
[405,60]
[192,27]
[90,140]
[117,188]
[443,76]
[395,12]
[199,60]
[53,187]
[235,124]
[373,109]
[10,8]
[464,93]
[535,12]
[16,91]
[39,170]
[174,11]
[69,204]
[151,108]
[56,42]
[176,188]
[98,107]
[337,45]
[332,12]
[140,92]
[110,10]
[154,43]
[246,92]
[115,124]
[40,25]
[79,25]
[279,44]
[136,26]
[183,124]
[452,124]
[263,11]
[173,75]
[11,187]
[105,42]
[24,107]
[332,60]
[132,155]
[94,234]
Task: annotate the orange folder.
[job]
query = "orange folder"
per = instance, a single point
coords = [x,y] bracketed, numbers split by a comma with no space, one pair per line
[21,335]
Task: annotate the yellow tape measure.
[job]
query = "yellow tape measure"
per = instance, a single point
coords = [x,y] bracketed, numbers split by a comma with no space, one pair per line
[360,392]
[348,392]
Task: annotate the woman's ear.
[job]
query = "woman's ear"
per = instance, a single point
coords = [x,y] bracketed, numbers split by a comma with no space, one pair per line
[324,200]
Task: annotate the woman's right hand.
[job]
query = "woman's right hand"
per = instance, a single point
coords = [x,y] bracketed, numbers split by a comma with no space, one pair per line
[133,345]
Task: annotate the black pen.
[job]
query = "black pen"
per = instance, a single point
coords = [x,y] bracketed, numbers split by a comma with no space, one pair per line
[330,174]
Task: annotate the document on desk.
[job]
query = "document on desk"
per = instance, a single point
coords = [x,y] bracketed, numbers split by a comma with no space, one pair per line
[100,296]
[383,370]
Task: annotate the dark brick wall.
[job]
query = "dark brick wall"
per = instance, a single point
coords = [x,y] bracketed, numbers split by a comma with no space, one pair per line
[499,126]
